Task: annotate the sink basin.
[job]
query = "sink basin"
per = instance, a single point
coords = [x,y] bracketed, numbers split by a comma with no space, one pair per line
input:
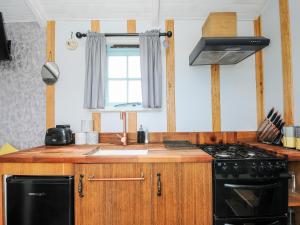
[116,152]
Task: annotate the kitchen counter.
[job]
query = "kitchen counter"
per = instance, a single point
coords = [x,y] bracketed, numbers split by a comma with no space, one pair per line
[157,153]
[292,154]
[82,154]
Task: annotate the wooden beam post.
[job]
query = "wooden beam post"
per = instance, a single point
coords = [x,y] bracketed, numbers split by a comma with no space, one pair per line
[132,116]
[95,27]
[170,72]
[288,97]
[260,101]
[50,89]
[216,101]
[218,24]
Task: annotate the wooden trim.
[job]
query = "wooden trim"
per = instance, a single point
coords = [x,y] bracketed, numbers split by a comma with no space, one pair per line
[288,98]
[95,25]
[170,73]
[96,121]
[215,94]
[193,137]
[132,122]
[132,116]
[131,26]
[260,101]
[50,90]
[46,169]
[220,24]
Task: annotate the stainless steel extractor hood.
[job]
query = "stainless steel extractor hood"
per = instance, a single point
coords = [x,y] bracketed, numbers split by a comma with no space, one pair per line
[225,50]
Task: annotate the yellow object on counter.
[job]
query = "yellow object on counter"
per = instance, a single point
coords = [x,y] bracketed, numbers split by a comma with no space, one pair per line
[298,143]
[289,142]
[7,148]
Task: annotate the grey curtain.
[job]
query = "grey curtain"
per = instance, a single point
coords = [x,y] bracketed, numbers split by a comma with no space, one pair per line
[95,60]
[151,69]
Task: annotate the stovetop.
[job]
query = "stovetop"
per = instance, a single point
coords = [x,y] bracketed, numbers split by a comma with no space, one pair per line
[235,161]
[237,152]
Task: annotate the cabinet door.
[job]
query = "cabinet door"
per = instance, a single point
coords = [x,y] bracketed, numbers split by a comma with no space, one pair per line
[113,194]
[182,194]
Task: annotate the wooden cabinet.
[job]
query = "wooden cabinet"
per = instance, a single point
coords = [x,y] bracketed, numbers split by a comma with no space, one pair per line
[144,194]
[113,194]
[186,194]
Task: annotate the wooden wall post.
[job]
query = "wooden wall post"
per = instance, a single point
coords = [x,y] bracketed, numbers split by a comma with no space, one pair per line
[260,101]
[288,97]
[132,116]
[216,101]
[218,24]
[170,72]
[96,116]
[50,89]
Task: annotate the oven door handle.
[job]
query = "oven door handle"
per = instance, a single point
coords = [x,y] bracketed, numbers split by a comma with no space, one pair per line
[252,187]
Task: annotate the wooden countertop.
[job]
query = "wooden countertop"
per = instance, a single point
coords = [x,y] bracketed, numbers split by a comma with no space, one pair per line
[80,154]
[157,153]
[292,154]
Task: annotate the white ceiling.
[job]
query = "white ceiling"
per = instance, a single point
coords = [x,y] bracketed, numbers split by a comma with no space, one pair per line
[41,10]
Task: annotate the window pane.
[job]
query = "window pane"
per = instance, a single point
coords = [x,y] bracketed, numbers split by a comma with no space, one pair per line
[117,66]
[134,91]
[134,67]
[117,91]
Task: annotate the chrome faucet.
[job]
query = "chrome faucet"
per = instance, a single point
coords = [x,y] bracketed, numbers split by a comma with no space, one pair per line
[124,137]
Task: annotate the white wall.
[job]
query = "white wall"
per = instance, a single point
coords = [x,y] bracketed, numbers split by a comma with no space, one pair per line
[192,90]
[273,60]
[192,83]
[272,57]
[295,28]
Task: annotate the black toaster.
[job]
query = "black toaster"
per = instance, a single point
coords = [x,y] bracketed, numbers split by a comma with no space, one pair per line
[60,135]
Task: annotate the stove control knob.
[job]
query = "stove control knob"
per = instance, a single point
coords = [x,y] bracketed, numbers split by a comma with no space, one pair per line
[225,169]
[269,169]
[253,171]
[261,170]
[235,170]
[277,168]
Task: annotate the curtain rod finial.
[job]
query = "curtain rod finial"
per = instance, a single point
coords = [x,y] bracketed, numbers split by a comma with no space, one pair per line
[169,34]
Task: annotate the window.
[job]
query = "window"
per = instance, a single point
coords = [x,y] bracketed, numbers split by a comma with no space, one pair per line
[123,81]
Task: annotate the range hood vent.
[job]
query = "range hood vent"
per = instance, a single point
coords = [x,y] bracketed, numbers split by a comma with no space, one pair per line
[225,50]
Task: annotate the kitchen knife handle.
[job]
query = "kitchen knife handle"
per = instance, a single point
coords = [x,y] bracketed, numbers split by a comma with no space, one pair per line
[274,117]
[270,113]
[80,186]
[158,184]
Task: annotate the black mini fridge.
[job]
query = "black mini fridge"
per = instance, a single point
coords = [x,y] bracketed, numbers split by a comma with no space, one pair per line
[40,200]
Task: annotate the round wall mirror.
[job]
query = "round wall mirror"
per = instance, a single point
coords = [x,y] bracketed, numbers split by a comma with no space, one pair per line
[50,73]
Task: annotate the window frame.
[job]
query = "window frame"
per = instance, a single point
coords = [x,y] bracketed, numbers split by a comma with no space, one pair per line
[119,52]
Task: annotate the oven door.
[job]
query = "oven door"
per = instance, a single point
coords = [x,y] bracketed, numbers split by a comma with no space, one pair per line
[250,197]
[252,221]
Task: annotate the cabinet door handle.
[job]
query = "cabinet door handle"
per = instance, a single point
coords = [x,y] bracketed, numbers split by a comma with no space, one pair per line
[141,178]
[158,184]
[80,186]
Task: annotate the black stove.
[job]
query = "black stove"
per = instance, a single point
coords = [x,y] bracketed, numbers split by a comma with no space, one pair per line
[250,185]
[237,152]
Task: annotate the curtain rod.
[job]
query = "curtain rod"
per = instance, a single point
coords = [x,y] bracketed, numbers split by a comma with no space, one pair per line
[81,35]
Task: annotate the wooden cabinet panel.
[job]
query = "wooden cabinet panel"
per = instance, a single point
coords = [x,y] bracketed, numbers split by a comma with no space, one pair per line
[186,194]
[115,196]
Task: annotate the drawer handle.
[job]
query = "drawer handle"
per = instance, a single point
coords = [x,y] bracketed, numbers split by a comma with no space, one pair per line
[158,184]
[80,186]
[142,178]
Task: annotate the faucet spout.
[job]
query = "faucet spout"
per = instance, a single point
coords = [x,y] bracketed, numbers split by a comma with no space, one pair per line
[124,137]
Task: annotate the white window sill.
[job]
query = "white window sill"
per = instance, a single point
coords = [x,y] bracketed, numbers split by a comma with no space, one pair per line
[127,109]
